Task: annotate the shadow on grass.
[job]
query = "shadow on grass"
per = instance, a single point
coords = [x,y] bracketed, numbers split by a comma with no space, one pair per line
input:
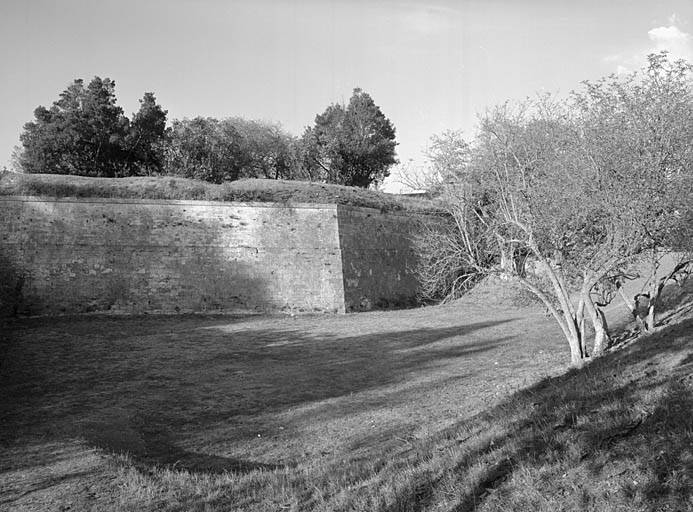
[676,299]
[615,435]
[112,389]
[149,446]
[11,495]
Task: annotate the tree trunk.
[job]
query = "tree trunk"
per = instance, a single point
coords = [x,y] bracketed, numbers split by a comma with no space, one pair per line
[601,334]
[563,298]
[651,318]
[656,289]
[601,329]
[565,322]
[580,319]
[631,306]
[576,354]
[506,260]
[656,286]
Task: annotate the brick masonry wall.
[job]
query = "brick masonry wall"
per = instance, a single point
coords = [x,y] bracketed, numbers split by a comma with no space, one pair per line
[133,256]
[65,256]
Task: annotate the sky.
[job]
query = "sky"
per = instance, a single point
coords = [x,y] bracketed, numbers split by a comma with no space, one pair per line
[430,66]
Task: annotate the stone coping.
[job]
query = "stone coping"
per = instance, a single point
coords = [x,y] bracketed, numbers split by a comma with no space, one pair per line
[196,202]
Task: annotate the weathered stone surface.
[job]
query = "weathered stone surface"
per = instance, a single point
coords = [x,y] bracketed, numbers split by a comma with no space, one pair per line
[377,258]
[162,256]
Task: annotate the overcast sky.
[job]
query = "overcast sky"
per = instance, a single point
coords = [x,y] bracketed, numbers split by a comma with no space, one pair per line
[429,65]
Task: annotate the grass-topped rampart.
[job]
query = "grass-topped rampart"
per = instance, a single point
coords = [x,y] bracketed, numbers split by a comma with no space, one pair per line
[167,187]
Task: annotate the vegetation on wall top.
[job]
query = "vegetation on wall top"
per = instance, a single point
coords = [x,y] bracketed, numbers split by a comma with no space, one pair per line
[244,190]
[85,133]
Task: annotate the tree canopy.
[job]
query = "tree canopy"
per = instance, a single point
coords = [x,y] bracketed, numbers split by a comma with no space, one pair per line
[225,150]
[86,133]
[146,137]
[580,189]
[352,145]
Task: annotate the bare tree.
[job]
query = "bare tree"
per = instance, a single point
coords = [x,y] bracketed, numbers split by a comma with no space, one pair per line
[637,130]
[567,196]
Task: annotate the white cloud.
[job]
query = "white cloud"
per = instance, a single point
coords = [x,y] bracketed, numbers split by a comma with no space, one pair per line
[669,38]
[672,39]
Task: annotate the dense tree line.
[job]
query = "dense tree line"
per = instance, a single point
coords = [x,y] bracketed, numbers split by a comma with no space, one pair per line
[225,150]
[569,196]
[86,133]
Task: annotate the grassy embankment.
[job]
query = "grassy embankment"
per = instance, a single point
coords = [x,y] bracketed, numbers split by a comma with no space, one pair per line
[166,187]
[443,408]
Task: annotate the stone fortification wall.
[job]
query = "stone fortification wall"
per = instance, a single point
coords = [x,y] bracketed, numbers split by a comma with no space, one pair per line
[162,256]
[136,256]
[377,258]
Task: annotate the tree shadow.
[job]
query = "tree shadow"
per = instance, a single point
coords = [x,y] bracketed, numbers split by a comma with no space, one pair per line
[289,367]
[55,385]
[611,428]
[129,259]
[393,398]
[675,303]
[676,299]
[13,279]
[149,444]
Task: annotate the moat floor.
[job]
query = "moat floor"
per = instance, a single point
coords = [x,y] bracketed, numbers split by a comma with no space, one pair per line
[208,395]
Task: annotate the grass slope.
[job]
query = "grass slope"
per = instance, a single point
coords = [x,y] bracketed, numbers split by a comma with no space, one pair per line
[168,187]
[614,436]
[439,408]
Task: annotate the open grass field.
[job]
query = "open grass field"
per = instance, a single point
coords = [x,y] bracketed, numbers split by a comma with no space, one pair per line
[462,407]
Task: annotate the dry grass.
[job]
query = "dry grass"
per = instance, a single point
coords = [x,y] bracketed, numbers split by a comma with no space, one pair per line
[429,409]
[169,187]
[319,401]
